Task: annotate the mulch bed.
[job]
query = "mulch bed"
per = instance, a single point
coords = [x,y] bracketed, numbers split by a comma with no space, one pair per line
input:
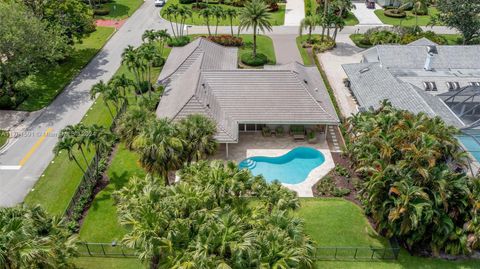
[110,23]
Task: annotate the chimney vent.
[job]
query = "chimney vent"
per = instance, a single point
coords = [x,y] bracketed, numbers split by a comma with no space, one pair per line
[431,51]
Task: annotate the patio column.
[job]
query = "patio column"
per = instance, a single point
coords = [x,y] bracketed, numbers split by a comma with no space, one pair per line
[226,149]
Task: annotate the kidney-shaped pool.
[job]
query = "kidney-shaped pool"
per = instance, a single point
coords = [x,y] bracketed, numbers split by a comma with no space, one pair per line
[291,168]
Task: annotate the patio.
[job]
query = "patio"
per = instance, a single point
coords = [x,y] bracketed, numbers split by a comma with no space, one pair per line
[254,144]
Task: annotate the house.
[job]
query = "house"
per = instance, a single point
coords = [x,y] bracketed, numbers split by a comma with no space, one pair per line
[203,78]
[424,77]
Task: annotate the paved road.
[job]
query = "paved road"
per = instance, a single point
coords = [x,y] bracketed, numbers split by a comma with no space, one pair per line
[27,156]
[34,148]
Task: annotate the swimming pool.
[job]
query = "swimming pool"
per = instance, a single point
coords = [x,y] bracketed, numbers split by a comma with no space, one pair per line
[471,141]
[291,168]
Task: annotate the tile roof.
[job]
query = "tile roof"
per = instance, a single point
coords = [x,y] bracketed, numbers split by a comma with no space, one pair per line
[208,82]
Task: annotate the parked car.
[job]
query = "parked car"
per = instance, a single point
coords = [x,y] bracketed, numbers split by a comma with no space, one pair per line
[159,3]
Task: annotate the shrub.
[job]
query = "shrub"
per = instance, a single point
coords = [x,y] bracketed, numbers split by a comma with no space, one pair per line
[185,2]
[200,5]
[227,40]
[279,131]
[101,11]
[178,41]
[158,62]
[266,131]
[383,37]
[325,186]
[324,46]
[342,171]
[249,59]
[340,192]
[395,13]
[422,11]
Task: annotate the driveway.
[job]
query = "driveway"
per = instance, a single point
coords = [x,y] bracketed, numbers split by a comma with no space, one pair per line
[366,16]
[286,50]
[346,52]
[294,12]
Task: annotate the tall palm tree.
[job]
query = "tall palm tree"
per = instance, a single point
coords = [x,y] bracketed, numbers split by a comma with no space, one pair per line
[207,14]
[255,15]
[160,148]
[231,13]
[101,139]
[149,36]
[122,82]
[103,89]
[68,144]
[132,59]
[171,14]
[219,14]
[198,133]
[418,5]
[79,133]
[309,23]
[184,13]
[149,54]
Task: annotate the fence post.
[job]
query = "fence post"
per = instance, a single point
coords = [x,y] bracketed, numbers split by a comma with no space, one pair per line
[103,249]
[373,253]
[335,257]
[355,256]
[123,253]
[88,249]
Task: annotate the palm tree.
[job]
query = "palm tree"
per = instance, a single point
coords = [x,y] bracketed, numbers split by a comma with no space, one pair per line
[418,5]
[68,144]
[171,14]
[160,148]
[32,239]
[231,13]
[309,23]
[103,89]
[255,15]
[149,36]
[184,13]
[101,139]
[132,123]
[206,14]
[149,54]
[122,82]
[219,14]
[79,134]
[198,133]
[132,59]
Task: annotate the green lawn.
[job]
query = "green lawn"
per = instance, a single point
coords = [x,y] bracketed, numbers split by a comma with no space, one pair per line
[452,39]
[264,45]
[306,57]
[350,20]
[409,20]
[48,83]
[3,137]
[103,213]
[53,191]
[276,18]
[108,263]
[121,9]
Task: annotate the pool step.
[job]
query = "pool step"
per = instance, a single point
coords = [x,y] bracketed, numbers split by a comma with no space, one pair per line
[251,164]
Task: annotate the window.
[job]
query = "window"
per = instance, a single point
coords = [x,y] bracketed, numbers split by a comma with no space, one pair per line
[474,83]
[430,86]
[453,85]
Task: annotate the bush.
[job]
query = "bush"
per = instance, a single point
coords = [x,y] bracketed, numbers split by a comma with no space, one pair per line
[324,46]
[342,171]
[421,11]
[158,62]
[395,13]
[279,131]
[101,11]
[200,5]
[340,192]
[327,187]
[179,41]
[227,40]
[409,38]
[186,1]
[266,131]
[249,59]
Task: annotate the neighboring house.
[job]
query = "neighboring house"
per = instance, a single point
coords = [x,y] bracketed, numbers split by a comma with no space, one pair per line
[421,77]
[203,78]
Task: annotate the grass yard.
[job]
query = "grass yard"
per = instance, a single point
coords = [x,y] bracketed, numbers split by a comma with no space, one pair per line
[107,263]
[276,18]
[264,45]
[409,20]
[103,213]
[3,137]
[311,7]
[53,191]
[121,9]
[452,39]
[48,83]
[306,57]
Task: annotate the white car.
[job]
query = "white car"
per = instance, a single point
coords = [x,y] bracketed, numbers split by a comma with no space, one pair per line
[159,3]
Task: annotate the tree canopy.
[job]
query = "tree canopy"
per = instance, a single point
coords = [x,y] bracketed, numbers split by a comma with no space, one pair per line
[461,15]
[29,238]
[26,45]
[209,220]
[414,184]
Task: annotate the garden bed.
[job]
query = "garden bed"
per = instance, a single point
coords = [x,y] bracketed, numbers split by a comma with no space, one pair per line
[409,20]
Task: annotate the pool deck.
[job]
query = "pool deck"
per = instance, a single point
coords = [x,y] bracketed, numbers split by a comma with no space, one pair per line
[254,144]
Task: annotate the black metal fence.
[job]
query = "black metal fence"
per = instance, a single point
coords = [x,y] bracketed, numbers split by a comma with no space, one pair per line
[357,253]
[105,250]
[90,177]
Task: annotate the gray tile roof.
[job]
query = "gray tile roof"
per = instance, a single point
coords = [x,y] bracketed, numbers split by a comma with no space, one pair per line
[205,82]
[371,84]
[413,57]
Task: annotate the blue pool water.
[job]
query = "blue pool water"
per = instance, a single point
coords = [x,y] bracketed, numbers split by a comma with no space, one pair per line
[291,168]
[471,142]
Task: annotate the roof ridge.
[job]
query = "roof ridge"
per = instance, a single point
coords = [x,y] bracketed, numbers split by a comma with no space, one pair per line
[186,58]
